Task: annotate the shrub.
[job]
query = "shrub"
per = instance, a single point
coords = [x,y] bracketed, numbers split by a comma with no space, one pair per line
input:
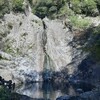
[89,7]
[65,11]
[53,9]
[40,8]
[94,43]
[65,7]
[6,94]
[79,22]
[76,6]
[98,4]
[17,5]
[59,3]
[30,1]
[41,12]
[48,8]
[96,30]
[4,7]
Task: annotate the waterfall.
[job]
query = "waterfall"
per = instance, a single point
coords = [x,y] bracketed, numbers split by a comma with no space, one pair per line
[48,62]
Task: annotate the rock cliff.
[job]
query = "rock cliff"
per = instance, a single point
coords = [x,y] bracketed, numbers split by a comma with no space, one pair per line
[30,46]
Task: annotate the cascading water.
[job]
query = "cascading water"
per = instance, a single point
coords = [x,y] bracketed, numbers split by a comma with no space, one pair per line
[48,63]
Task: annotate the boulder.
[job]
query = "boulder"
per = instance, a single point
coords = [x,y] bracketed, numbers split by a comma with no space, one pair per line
[66,97]
[6,74]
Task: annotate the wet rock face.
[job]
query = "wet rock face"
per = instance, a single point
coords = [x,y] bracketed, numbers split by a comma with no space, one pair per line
[32,46]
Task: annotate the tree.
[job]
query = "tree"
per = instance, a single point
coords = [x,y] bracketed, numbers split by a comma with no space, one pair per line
[98,4]
[76,6]
[93,45]
[41,11]
[89,7]
[17,5]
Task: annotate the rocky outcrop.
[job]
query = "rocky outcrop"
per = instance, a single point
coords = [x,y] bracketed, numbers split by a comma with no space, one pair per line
[58,46]
[23,43]
[91,95]
[32,46]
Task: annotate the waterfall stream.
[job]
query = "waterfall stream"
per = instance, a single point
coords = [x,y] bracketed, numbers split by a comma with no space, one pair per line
[48,63]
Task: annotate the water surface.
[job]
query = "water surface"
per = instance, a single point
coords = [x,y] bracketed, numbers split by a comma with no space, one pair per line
[50,91]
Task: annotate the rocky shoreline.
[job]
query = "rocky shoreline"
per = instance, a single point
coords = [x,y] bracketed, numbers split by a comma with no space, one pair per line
[94,94]
[91,95]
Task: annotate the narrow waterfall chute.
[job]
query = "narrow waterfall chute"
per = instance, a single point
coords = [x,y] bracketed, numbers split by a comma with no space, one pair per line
[48,63]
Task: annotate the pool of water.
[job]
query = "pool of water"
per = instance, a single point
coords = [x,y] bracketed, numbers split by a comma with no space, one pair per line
[50,91]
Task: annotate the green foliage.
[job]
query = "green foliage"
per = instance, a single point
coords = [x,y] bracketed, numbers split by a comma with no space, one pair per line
[76,6]
[30,1]
[1,57]
[53,8]
[17,5]
[7,5]
[97,1]
[8,47]
[96,30]
[42,7]
[65,11]
[58,3]
[47,7]
[65,7]
[79,22]
[89,7]
[6,94]
[95,49]
[94,45]
[98,4]
[41,12]
[4,7]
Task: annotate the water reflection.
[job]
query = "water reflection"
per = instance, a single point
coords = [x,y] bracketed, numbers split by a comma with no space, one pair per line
[48,90]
